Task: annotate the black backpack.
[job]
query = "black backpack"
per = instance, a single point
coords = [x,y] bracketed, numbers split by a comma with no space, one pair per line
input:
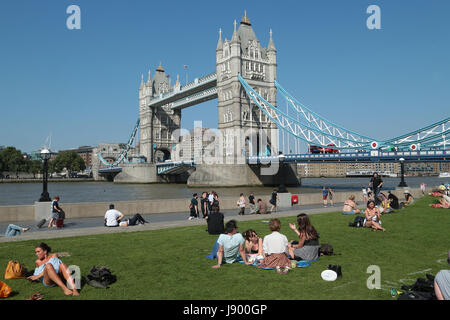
[326,249]
[101,277]
[358,222]
[422,289]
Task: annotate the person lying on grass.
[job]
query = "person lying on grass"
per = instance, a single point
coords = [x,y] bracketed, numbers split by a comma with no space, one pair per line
[307,247]
[51,271]
[136,219]
[231,244]
[373,216]
[444,201]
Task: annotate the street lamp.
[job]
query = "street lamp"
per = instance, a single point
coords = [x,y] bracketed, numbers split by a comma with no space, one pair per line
[45,155]
[402,168]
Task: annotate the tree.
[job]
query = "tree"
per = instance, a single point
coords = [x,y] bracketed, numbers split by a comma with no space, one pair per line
[69,160]
[12,160]
[35,166]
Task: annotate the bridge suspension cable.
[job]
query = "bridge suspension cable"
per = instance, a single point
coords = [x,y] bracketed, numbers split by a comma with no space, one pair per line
[123,154]
[312,134]
[317,130]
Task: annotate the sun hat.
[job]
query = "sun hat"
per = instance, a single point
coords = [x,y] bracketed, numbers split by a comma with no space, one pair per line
[329,275]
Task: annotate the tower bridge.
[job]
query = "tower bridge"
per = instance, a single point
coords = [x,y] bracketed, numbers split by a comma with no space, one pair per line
[250,124]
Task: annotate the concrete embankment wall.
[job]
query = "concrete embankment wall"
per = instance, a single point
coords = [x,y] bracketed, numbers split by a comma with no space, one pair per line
[98,209]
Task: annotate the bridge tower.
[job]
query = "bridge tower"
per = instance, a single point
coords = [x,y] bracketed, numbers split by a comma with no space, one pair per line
[244,55]
[157,123]
[243,129]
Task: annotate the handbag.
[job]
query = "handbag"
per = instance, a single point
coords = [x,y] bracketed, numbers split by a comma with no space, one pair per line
[5,290]
[14,270]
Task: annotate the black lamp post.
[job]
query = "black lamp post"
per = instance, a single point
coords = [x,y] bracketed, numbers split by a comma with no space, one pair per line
[402,168]
[45,155]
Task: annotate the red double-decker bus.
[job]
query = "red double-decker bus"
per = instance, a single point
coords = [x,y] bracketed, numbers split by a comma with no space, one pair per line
[317,149]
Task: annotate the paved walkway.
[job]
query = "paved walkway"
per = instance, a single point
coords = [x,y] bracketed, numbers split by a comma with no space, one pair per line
[92,226]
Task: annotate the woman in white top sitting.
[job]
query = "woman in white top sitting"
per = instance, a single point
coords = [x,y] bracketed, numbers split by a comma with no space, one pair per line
[275,247]
[373,216]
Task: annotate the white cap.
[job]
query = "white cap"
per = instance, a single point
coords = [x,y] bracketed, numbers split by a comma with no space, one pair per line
[329,275]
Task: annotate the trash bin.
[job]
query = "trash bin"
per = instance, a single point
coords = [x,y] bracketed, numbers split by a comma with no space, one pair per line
[294,199]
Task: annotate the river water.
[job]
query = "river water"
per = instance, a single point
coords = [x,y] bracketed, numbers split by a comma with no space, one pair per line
[73,192]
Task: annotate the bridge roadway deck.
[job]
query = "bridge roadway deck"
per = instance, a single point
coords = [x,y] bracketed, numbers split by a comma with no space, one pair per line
[93,226]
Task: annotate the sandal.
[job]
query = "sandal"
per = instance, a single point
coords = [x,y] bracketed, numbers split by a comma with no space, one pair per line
[36,296]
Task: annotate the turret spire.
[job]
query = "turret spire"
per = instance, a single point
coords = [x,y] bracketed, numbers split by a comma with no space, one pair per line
[245,20]
[271,44]
[220,43]
[234,38]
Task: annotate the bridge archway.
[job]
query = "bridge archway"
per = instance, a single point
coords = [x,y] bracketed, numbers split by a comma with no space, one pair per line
[162,154]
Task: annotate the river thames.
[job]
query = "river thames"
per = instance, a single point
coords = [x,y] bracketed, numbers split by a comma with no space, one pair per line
[73,192]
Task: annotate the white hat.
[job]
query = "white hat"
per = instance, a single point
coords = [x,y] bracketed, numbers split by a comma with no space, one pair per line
[329,275]
[406,191]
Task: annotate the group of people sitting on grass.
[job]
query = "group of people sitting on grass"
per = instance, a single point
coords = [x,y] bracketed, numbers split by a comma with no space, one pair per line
[374,209]
[272,251]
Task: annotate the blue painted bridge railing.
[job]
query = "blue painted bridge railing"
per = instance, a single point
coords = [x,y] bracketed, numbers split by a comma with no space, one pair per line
[435,155]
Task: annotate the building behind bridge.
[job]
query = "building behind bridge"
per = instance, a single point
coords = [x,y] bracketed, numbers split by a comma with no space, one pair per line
[340,169]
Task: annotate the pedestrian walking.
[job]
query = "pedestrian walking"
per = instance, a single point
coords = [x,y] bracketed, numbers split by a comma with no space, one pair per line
[193,207]
[365,195]
[273,201]
[324,196]
[241,204]
[377,184]
[330,196]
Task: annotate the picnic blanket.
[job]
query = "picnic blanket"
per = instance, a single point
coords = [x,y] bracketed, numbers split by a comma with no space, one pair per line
[300,264]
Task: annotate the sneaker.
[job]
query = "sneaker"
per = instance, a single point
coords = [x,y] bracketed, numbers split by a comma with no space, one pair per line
[279,270]
[286,270]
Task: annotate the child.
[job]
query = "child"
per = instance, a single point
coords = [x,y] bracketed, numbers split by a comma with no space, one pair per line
[324,196]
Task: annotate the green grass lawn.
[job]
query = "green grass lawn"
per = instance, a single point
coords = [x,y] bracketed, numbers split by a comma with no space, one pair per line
[171,263]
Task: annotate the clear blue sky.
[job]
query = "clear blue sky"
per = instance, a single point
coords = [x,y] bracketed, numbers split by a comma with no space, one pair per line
[82,85]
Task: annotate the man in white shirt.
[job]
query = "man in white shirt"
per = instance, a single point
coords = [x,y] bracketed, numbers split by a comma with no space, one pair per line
[113,217]
[211,200]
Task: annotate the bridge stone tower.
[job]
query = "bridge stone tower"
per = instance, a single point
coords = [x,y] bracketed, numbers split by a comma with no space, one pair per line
[244,129]
[156,124]
[257,65]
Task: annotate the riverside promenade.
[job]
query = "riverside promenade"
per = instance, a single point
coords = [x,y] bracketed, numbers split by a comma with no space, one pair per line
[94,226]
[84,222]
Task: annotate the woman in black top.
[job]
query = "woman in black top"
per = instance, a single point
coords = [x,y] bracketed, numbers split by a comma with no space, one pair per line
[204,204]
[193,207]
[273,201]
[307,247]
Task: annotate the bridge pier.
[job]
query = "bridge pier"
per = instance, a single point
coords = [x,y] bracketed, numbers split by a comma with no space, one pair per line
[146,173]
[233,175]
